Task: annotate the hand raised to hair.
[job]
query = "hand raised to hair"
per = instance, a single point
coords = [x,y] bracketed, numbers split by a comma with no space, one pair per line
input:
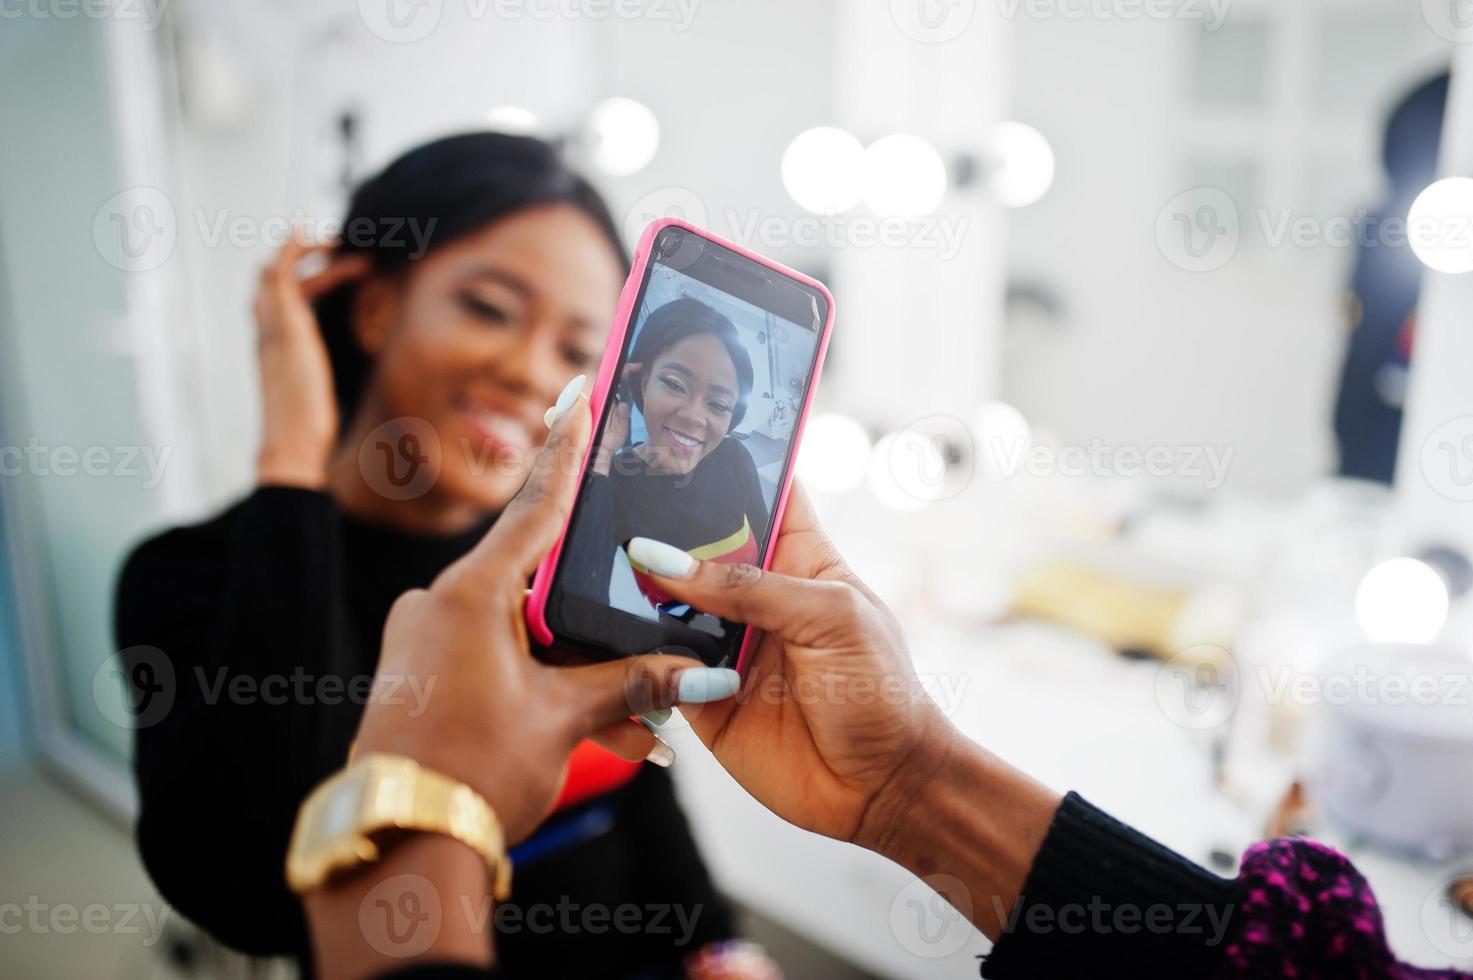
[616,429]
[299,415]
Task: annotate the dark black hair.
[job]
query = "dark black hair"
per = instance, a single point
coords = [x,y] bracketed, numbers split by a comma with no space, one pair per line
[431,196]
[687,317]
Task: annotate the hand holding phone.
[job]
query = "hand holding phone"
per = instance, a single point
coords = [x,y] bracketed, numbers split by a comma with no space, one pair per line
[694,442]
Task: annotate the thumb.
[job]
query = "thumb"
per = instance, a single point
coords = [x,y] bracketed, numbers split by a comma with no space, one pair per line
[780,604]
[602,694]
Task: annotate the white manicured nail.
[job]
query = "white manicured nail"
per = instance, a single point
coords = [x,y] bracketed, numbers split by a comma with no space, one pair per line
[660,558]
[662,754]
[700,685]
[565,400]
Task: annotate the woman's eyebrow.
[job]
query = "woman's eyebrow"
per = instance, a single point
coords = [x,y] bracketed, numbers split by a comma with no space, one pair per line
[511,280]
[679,368]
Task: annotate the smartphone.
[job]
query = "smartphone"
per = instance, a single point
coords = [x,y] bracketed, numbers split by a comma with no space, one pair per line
[698,407]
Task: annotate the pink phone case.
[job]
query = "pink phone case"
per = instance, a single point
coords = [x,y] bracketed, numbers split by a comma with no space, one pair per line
[603,384]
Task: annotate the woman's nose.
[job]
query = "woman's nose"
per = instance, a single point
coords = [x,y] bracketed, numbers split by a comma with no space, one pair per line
[530,367]
[692,417]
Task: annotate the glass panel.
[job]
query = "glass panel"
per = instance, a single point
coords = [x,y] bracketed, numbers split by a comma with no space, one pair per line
[1359,61]
[85,477]
[1233,64]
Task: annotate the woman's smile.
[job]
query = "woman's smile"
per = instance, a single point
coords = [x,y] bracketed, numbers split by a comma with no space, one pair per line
[494,425]
[682,442]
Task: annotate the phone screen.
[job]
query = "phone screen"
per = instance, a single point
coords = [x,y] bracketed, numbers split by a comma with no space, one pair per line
[692,449]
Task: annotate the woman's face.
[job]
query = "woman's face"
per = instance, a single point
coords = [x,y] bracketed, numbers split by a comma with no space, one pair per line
[478,338]
[689,394]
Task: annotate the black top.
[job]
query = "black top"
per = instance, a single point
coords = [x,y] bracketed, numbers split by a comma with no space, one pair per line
[716,512]
[1086,906]
[265,617]
[1085,910]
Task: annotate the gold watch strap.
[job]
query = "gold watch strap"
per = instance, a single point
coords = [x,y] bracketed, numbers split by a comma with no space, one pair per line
[390,793]
[447,806]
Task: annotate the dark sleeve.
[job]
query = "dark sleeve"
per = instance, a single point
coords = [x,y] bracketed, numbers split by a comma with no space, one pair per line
[590,561]
[216,620]
[1104,899]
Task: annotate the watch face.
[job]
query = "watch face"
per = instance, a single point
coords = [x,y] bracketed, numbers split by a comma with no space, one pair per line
[343,805]
[340,809]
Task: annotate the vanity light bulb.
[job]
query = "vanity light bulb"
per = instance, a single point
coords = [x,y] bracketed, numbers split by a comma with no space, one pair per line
[1402,600]
[624,135]
[835,454]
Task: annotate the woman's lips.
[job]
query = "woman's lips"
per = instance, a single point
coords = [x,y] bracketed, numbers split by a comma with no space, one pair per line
[498,428]
[681,442]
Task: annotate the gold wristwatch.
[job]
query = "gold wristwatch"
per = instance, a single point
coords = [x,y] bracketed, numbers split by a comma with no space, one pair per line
[350,818]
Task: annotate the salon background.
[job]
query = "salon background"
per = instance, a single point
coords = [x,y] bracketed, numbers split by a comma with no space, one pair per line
[1144,403]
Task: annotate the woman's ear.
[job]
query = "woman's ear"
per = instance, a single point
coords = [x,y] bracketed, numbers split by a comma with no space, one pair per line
[375,311]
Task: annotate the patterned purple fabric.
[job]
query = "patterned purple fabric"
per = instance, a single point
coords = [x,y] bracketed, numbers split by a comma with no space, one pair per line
[1309,914]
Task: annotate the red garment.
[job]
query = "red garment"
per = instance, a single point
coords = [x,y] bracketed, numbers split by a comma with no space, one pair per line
[593,771]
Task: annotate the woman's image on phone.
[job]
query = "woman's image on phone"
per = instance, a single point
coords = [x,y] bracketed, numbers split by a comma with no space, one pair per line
[691,480]
[696,439]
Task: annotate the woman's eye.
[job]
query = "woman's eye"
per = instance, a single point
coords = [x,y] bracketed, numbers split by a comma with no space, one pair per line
[578,357]
[720,408]
[484,310]
[673,385]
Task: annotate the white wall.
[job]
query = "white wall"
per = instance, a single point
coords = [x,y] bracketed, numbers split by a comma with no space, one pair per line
[1245,355]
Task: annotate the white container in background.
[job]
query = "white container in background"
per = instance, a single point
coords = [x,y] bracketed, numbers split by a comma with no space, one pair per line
[1390,748]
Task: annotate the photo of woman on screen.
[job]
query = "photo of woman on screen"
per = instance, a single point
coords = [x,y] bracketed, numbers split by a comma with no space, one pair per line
[691,482]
